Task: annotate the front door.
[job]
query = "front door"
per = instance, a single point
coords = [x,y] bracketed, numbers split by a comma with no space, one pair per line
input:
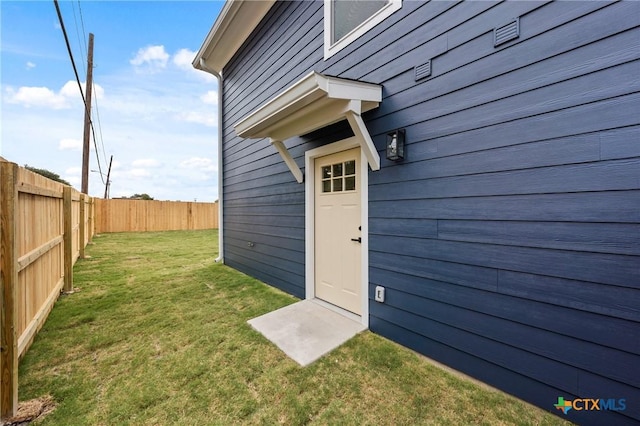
[337,229]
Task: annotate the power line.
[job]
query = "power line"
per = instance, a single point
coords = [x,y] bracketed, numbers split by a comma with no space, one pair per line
[82,55]
[104,154]
[95,100]
[75,71]
[84,33]
[73,62]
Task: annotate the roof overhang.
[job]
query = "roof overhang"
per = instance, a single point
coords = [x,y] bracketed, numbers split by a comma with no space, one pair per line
[236,21]
[314,102]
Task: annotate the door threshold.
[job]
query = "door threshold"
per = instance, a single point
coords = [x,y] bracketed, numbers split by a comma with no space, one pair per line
[347,314]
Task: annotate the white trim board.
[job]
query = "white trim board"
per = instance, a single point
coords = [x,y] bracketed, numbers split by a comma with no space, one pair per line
[233,26]
[310,157]
[331,49]
[314,102]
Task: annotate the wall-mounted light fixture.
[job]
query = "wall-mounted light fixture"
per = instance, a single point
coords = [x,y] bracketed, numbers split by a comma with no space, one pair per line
[395,145]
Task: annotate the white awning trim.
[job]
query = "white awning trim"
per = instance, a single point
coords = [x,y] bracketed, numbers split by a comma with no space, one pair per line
[314,102]
[366,143]
[288,159]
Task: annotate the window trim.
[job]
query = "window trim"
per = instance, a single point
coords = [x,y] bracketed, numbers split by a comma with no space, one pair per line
[375,19]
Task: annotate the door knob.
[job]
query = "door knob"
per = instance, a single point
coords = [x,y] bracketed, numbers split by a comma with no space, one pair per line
[357,240]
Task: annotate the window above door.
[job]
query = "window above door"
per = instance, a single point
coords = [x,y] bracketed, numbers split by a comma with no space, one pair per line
[346,20]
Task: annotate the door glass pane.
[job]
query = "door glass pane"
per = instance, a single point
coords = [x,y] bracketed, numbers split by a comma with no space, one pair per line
[350,183]
[339,177]
[337,185]
[348,14]
[350,168]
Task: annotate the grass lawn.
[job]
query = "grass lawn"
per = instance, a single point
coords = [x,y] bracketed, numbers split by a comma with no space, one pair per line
[158,335]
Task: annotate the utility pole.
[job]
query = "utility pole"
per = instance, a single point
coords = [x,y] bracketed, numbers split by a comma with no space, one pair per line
[106,186]
[87,119]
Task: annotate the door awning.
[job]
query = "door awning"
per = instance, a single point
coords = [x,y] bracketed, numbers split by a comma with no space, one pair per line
[314,102]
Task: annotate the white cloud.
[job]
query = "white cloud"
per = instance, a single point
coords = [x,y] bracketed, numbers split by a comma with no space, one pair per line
[36,97]
[44,97]
[30,65]
[199,163]
[139,172]
[206,118]
[150,58]
[75,181]
[150,122]
[70,90]
[146,162]
[73,144]
[73,175]
[98,91]
[183,59]
[210,98]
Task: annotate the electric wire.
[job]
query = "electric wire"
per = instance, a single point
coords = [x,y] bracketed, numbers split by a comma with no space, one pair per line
[75,71]
[104,154]
[83,48]
[84,33]
[95,100]
[82,54]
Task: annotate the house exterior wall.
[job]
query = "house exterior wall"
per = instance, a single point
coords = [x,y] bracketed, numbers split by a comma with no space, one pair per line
[508,240]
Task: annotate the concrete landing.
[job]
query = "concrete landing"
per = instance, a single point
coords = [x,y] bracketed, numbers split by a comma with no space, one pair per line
[305,331]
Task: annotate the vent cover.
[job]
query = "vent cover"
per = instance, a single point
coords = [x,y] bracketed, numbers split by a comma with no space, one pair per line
[506,32]
[423,70]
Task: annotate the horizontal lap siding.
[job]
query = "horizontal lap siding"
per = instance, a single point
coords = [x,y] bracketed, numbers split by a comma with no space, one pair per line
[509,238]
[264,205]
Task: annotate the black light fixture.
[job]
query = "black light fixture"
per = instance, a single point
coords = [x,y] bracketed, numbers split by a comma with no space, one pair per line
[395,145]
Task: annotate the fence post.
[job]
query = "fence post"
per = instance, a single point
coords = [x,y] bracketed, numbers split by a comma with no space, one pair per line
[9,278]
[68,239]
[82,226]
[190,216]
[92,213]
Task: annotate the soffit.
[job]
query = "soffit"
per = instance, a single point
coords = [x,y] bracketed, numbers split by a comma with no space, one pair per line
[235,23]
[313,102]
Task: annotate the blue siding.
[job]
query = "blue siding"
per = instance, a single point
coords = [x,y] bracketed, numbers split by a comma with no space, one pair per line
[509,238]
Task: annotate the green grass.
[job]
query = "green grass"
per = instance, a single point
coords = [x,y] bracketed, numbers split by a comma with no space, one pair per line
[158,335]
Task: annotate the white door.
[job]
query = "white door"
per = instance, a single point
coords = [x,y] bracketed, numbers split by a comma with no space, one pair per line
[337,227]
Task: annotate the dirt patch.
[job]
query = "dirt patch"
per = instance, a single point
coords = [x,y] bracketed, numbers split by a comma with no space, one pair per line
[31,410]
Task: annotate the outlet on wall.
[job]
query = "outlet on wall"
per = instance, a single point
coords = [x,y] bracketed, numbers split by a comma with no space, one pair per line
[379,294]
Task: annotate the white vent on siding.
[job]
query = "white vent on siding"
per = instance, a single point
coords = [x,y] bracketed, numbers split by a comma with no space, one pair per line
[423,70]
[506,32]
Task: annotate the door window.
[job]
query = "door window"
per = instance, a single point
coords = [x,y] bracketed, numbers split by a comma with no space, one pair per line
[339,177]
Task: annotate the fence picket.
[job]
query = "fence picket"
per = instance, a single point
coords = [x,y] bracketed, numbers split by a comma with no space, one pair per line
[9,274]
[44,228]
[123,215]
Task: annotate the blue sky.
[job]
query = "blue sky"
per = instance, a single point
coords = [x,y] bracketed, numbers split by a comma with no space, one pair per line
[157,114]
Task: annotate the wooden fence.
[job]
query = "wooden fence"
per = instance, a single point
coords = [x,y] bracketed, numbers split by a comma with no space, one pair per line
[122,215]
[44,228]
